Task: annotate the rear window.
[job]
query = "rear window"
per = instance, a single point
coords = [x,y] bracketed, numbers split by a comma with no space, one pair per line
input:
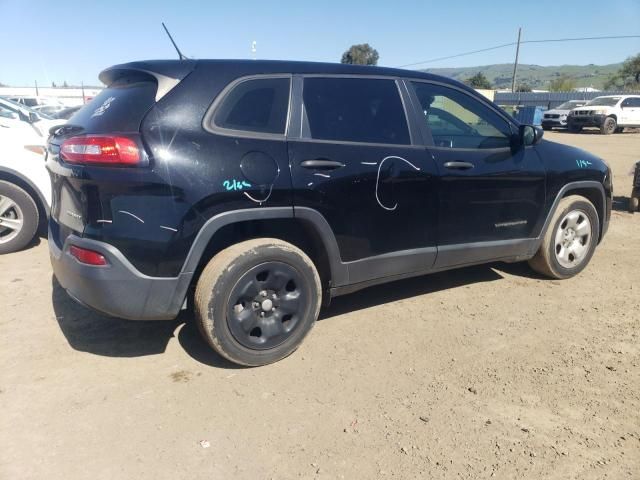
[361,110]
[119,107]
[256,105]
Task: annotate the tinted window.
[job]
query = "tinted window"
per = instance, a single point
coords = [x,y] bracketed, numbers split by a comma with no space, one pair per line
[631,102]
[457,120]
[258,105]
[355,110]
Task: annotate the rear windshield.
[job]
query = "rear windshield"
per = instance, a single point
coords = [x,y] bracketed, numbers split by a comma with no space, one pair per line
[118,108]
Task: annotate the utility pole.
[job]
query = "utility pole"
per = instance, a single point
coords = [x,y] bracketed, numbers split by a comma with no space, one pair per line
[515,64]
[36,82]
[84,100]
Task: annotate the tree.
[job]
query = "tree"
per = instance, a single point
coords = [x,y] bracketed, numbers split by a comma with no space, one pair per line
[362,54]
[53,85]
[64,84]
[628,77]
[479,81]
[562,84]
[523,87]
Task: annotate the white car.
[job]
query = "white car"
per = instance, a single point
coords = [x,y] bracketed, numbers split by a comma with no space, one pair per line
[611,113]
[25,187]
[12,112]
[557,117]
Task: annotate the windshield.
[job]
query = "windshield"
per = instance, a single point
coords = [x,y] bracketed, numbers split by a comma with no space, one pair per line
[25,109]
[604,101]
[569,105]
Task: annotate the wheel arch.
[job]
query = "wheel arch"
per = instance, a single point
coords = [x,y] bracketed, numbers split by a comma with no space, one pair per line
[592,191]
[305,228]
[11,176]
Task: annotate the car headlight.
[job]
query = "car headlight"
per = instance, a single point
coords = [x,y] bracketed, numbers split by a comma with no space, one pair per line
[599,112]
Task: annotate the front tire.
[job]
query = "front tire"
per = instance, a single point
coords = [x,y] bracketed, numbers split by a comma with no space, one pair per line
[570,239]
[19,218]
[609,126]
[257,300]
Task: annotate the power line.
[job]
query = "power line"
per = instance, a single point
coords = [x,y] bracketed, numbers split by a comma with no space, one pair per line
[496,47]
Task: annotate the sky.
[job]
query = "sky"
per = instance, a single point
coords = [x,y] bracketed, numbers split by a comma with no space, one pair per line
[72,41]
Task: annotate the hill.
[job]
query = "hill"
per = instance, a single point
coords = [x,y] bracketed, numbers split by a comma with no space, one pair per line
[535,76]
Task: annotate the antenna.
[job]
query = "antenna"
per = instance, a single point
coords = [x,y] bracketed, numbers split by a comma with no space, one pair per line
[180,55]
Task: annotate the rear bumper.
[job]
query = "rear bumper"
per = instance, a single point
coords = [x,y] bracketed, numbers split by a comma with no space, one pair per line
[587,120]
[119,289]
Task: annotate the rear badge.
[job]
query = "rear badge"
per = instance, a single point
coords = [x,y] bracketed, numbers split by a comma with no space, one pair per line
[103,108]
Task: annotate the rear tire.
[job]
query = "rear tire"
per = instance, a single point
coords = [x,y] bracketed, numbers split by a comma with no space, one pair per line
[570,239]
[609,126]
[256,301]
[19,218]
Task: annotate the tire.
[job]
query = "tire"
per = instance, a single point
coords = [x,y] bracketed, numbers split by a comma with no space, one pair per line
[609,126]
[633,204]
[256,301]
[19,218]
[572,212]
[574,128]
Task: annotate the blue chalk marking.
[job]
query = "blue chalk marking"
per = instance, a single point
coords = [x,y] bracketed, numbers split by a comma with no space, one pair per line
[233,185]
[583,163]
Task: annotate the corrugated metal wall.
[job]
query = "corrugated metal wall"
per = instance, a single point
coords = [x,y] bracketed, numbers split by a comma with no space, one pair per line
[548,99]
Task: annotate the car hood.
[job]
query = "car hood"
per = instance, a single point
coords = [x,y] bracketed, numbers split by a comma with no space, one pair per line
[557,112]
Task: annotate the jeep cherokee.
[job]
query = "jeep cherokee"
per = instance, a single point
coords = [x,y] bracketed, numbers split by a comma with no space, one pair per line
[254,191]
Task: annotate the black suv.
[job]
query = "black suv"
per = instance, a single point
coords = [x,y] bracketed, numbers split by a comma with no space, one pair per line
[254,191]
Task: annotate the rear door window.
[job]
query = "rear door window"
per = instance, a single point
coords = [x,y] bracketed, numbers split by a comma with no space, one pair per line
[364,110]
[256,105]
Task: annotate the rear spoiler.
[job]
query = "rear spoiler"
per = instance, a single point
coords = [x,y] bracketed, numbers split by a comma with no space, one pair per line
[167,73]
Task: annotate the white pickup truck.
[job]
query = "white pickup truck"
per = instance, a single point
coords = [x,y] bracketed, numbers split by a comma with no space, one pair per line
[610,114]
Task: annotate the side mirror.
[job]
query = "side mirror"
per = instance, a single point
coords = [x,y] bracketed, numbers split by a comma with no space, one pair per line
[33,118]
[530,134]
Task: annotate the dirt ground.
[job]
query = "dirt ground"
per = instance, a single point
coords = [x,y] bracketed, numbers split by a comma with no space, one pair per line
[483,372]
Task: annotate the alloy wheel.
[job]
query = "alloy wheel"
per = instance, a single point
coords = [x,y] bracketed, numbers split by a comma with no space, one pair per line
[573,239]
[11,219]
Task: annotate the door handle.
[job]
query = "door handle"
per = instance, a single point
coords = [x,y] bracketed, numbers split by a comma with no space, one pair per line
[459,165]
[321,164]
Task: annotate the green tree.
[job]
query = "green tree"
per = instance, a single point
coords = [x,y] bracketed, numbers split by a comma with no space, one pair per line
[479,81]
[523,87]
[628,77]
[362,54]
[562,84]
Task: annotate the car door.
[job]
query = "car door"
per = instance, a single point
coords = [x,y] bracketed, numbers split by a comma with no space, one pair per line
[491,194]
[630,111]
[357,164]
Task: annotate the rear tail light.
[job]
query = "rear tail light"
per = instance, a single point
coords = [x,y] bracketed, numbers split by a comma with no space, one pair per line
[101,150]
[88,257]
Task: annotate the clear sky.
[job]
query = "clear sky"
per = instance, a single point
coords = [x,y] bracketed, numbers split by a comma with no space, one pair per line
[73,40]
